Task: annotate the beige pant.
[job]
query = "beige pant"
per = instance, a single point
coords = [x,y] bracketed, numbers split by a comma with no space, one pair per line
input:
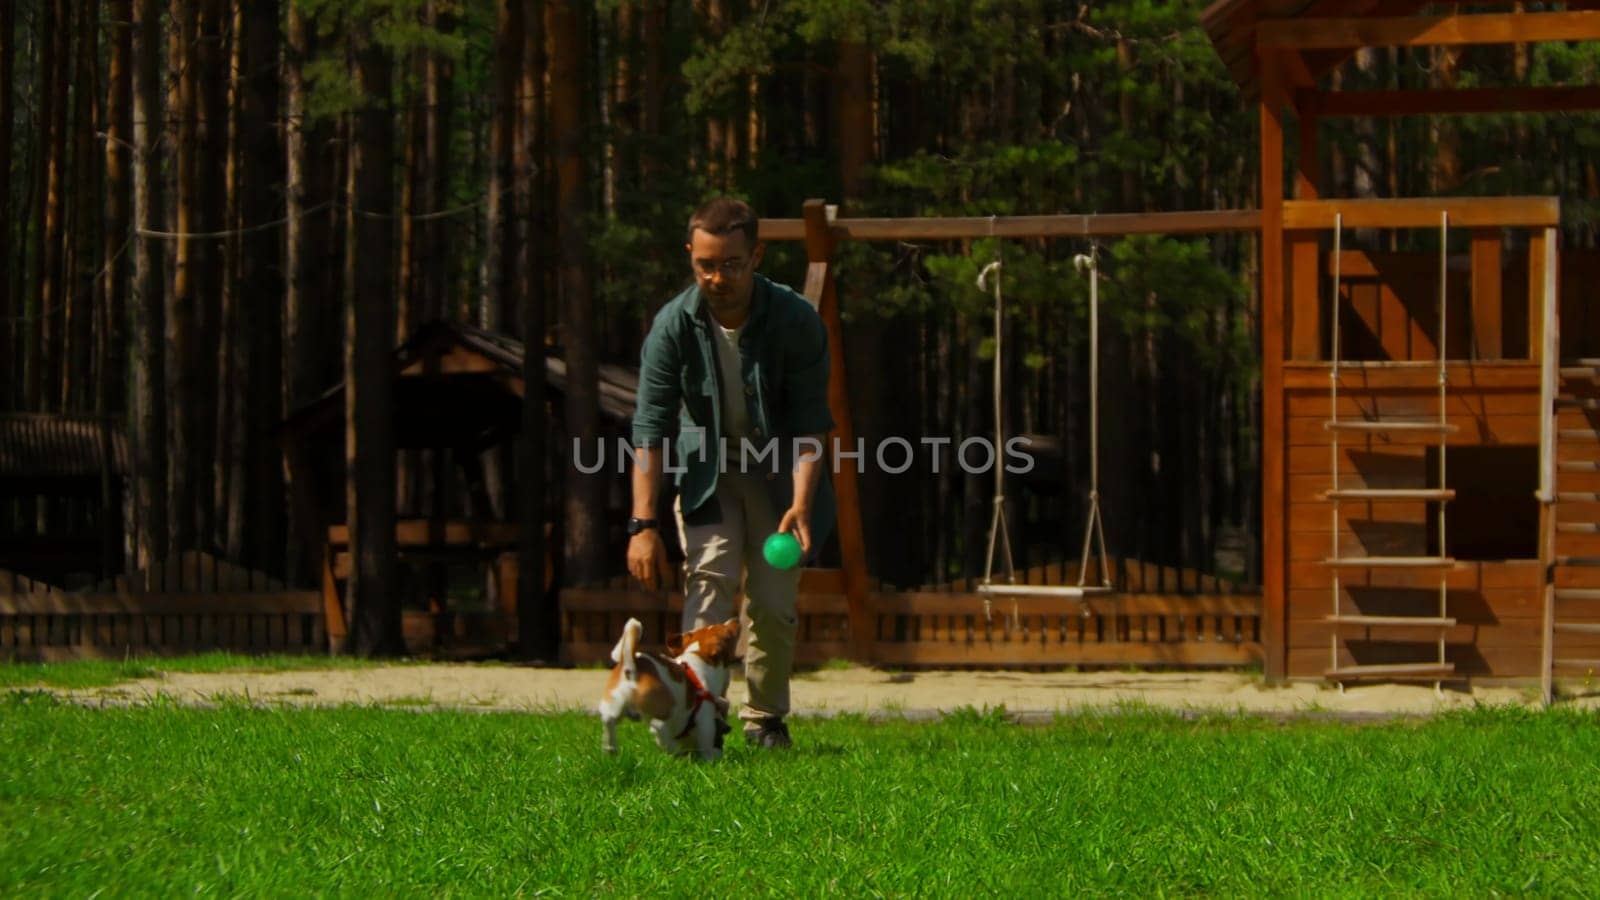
[721,556]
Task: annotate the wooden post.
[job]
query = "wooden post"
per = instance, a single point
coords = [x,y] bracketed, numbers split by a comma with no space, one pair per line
[1305,270]
[1536,256]
[1487,341]
[821,292]
[1273,509]
[507,574]
[334,625]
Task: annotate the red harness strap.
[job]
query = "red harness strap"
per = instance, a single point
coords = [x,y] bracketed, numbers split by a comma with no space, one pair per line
[701,697]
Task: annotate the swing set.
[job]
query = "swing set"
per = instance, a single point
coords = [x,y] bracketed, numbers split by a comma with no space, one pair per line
[821,230]
[1094,527]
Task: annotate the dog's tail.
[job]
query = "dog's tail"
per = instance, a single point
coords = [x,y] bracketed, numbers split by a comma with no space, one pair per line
[623,652]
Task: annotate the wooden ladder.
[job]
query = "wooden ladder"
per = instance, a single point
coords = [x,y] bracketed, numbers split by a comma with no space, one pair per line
[1388,627]
[1572,610]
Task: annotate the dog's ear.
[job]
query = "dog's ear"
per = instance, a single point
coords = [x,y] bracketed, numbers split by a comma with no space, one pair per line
[728,642]
[675,644]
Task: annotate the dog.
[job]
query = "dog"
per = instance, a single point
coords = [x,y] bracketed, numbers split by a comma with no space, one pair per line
[685,697]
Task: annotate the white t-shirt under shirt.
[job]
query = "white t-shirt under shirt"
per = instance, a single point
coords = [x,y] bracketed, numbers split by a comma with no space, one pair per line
[735,413]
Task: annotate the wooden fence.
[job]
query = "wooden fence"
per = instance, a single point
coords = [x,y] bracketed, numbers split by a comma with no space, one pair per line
[1150,621]
[193,602]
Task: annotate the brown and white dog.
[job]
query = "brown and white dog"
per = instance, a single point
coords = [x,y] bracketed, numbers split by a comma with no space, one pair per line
[685,697]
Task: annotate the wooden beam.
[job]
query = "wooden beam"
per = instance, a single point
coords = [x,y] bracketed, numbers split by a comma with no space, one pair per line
[1487,309]
[852,541]
[934,603]
[1305,312]
[816,601]
[422,532]
[1360,264]
[175,604]
[1463,101]
[333,620]
[1297,74]
[1428,31]
[1038,652]
[1536,276]
[458,361]
[1061,226]
[1274,511]
[1513,376]
[1423,212]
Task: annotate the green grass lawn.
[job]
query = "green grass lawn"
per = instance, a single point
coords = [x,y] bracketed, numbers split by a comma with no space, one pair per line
[87,673]
[165,800]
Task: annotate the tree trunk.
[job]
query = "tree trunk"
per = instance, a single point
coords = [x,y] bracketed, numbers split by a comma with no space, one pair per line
[501,281]
[10,315]
[149,320]
[1519,74]
[621,142]
[258,530]
[1130,174]
[407,281]
[585,499]
[853,104]
[233,362]
[39,183]
[605,62]
[538,618]
[434,255]
[498,291]
[180,362]
[652,84]
[715,16]
[44,383]
[308,327]
[1446,134]
[112,344]
[211,58]
[77,358]
[369,401]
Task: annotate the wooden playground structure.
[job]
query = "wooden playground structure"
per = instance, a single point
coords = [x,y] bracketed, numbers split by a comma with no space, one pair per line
[1380,558]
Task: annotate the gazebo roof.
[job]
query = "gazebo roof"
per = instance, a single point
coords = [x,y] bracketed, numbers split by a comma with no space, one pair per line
[1231,25]
[37,447]
[1334,30]
[464,382]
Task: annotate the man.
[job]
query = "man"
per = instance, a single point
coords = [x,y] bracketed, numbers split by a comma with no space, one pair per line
[734,378]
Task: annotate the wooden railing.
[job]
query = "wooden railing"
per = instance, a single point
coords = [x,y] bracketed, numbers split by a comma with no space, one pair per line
[1152,624]
[193,602]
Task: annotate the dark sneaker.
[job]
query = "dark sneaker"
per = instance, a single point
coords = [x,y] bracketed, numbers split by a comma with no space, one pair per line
[769,733]
[722,728]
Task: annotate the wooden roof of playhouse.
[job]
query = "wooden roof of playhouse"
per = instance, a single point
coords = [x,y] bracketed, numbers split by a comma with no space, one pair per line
[458,385]
[58,448]
[1313,37]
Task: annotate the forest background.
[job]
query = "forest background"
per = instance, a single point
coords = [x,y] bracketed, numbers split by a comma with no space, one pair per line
[212,210]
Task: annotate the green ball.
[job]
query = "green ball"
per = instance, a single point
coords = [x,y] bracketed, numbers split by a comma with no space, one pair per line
[782,550]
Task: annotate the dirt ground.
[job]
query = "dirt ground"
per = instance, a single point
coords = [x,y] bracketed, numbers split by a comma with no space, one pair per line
[829,692]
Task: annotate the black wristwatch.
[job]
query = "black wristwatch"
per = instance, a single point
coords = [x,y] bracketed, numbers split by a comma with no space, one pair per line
[637,525]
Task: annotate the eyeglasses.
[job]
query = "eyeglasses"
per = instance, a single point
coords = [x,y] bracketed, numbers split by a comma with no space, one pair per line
[728,267]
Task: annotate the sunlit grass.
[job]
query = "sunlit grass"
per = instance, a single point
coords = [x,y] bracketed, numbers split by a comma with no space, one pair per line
[88,673]
[360,800]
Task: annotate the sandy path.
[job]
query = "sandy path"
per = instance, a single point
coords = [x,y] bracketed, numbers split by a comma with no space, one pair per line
[855,690]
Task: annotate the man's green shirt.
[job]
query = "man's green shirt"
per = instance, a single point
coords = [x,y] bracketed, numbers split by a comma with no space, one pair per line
[784,374]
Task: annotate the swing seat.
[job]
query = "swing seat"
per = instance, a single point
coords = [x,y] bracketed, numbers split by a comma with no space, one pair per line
[1041,590]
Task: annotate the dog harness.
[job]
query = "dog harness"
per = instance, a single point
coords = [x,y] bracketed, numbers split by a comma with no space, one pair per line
[701,697]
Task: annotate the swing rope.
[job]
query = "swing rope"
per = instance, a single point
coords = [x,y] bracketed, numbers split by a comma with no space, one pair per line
[997,519]
[1094,527]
